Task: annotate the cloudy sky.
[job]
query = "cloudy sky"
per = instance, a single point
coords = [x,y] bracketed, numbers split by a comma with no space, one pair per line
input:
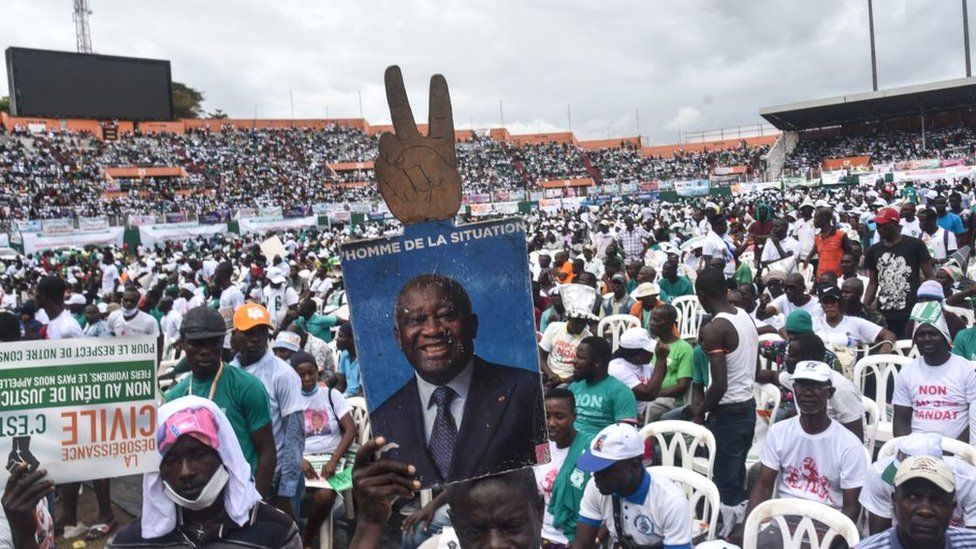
[683,65]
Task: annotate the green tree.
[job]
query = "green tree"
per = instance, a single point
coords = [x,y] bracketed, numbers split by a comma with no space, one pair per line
[218,114]
[187,102]
[5,104]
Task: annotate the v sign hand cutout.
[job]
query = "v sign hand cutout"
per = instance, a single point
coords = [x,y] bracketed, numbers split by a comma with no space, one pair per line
[417,174]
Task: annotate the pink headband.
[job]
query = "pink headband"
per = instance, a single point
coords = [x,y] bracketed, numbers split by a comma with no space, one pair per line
[198,423]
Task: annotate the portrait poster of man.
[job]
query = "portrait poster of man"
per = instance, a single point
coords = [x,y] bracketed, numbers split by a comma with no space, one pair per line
[444,330]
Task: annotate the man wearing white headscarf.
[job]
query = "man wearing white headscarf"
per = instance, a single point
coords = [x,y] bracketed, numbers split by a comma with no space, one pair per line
[203,495]
[933,392]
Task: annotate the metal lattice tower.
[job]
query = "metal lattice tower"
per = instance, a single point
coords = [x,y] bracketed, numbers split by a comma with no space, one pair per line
[82,32]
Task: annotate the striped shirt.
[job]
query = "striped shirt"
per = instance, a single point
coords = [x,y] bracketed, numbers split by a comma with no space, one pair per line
[956,538]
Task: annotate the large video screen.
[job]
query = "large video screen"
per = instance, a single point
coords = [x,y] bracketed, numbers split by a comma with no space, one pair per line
[76,85]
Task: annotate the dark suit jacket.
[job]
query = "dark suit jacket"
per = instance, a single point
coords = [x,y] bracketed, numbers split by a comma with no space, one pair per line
[504,420]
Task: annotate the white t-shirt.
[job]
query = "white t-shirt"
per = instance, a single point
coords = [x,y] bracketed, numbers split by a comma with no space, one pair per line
[940,244]
[805,234]
[718,246]
[278,300]
[110,273]
[320,286]
[63,326]
[545,476]
[171,324]
[284,390]
[814,467]
[845,406]
[939,396]
[770,253]
[561,346]
[741,363]
[631,375]
[661,515]
[141,324]
[322,433]
[849,328]
[785,306]
[911,228]
[876,492]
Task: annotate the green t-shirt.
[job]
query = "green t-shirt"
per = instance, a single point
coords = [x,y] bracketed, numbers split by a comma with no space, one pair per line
[243,399]
[601,404]
[319,326]
[680,358]
[671,290]
[700,366]
[965,344]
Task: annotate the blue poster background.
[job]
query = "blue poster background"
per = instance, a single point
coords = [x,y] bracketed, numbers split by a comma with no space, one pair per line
[489,259]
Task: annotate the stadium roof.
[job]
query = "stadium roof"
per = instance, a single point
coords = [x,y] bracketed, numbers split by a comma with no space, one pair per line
[934,97]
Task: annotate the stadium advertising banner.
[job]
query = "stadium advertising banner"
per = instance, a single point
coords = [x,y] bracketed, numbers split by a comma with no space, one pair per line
[214,217]
[297,211]
[137,220]
[481,209]
[833,177]
[99,223]
[549,205]
[692,187]
[150,235]
[80,408]
[37,242]
[261,224]
[57,226]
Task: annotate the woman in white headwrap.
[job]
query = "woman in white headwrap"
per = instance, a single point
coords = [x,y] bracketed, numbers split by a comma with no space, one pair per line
[203,494]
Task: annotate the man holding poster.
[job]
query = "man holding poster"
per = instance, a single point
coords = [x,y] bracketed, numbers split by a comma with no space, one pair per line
[460,416]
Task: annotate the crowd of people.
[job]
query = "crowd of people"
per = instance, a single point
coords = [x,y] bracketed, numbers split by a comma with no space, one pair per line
[883,146]
[794,287]
[59,174]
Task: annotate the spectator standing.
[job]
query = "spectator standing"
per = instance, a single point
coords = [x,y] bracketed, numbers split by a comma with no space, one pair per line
[732,344]
[896,267]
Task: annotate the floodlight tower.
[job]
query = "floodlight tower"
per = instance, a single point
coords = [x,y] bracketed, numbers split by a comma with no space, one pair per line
[82,32]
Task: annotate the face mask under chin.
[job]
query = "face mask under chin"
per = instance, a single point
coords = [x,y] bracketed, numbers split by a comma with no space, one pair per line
[212,490]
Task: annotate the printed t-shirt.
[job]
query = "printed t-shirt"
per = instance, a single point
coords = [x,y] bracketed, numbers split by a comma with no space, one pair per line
[602,403]
[898,271]
[241,396]
[284,389]
[545,476]
[814,467]
[561,346]
[939,396]
[322,432]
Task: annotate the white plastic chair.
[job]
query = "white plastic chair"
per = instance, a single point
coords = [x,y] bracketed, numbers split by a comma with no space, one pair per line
[690,315]
[686,439]
[871,423]
[962,312]
[360,416]
[767,394]
[325,533]
[699,491]
[616,325]
[884,368]
[905,347]
[776,509]
[950,446]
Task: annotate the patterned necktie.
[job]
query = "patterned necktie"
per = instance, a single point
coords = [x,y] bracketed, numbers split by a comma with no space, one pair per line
[444,434]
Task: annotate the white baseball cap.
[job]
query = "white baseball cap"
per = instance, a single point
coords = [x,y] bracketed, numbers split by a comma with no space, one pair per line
[812,370]
[288,340]
[929,468]
[76,299]
[617,442]
[275,276]
[637,338]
